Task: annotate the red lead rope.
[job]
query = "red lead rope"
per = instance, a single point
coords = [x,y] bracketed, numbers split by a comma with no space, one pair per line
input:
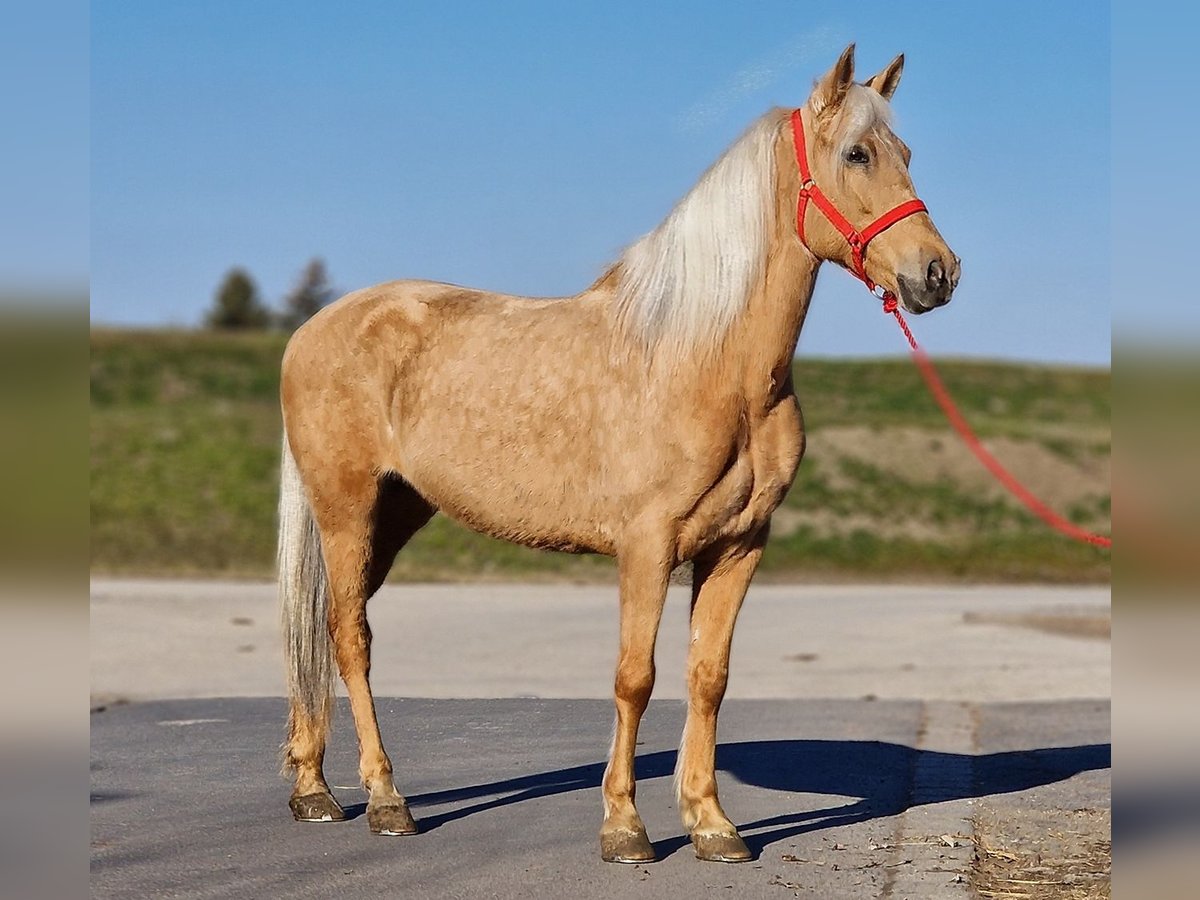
[1006,478]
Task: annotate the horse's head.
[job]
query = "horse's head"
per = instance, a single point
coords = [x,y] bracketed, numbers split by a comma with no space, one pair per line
[861,167]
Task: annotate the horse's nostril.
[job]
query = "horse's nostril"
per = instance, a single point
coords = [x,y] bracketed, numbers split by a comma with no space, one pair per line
[935,277]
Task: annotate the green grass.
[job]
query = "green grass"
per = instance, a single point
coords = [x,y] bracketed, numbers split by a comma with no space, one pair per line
[997,398]
[185,449]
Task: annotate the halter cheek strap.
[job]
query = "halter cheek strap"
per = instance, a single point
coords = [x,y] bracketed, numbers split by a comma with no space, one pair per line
[858,240]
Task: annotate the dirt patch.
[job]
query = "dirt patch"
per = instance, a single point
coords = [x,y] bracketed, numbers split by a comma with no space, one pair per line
[923,456]
[1069,624]
[1068,857]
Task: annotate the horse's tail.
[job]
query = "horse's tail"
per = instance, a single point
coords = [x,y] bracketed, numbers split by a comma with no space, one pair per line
[304,601]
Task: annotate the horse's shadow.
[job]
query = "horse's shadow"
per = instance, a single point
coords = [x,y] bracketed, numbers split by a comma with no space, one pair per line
[880,774]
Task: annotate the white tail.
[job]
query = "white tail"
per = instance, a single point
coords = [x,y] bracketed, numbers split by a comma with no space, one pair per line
[304,601]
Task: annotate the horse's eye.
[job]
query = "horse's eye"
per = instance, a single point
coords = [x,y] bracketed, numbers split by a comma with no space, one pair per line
[857,155]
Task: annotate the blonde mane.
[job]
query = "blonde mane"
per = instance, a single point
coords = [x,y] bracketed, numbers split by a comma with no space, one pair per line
[681,286]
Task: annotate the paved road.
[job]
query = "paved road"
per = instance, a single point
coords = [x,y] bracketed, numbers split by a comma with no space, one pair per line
[864,724]
[839,798]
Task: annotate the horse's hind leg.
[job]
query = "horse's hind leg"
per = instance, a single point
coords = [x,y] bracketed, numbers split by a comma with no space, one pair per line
[366,531]
[311,801]
[719,584]
[644,571]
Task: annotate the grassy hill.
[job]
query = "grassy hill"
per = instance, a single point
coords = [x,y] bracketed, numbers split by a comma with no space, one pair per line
[185,451]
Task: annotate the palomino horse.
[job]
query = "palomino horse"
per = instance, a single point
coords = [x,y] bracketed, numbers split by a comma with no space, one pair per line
[651,417]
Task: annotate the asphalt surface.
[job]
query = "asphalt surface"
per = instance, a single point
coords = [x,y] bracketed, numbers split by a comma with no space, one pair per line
[866,728]
[838,799]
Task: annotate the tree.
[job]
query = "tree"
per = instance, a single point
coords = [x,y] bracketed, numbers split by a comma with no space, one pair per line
[311,292]
[237,304]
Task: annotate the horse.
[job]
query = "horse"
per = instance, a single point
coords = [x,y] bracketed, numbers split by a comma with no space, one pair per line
[651,417]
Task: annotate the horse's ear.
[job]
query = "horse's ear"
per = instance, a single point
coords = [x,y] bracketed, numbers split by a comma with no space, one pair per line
[832,87]
[888,80]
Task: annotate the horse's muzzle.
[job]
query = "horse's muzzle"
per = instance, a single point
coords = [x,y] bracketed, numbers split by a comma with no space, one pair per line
[933,287]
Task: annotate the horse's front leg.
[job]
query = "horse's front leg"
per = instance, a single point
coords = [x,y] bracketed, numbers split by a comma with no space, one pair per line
[645,567]
[719,583]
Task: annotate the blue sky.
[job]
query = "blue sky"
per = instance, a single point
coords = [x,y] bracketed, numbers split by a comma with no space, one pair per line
[44,232]
[519,146]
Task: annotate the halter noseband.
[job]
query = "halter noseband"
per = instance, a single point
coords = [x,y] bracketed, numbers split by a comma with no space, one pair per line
[857,240]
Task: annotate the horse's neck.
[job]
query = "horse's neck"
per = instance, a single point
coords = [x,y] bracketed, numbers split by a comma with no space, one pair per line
[756,356]
[757,353]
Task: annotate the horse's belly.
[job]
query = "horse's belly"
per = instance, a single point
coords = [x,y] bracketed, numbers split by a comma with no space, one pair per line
[527,504]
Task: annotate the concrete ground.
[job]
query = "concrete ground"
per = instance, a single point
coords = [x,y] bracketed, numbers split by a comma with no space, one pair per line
[175,639]
[868,730]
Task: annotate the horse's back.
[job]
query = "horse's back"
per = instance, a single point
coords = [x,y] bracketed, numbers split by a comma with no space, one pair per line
[378,328]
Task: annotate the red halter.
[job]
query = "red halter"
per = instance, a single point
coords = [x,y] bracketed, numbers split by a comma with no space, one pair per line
[857,240]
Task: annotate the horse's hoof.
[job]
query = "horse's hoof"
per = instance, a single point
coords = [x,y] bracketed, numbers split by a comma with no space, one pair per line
[316,808]
[721,847]
[626,847]
[393,819]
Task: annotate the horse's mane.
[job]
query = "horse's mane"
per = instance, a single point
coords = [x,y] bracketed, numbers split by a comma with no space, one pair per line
[682,285]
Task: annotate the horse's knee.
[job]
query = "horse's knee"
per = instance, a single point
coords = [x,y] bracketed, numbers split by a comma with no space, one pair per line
[634,685]
[707,680]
